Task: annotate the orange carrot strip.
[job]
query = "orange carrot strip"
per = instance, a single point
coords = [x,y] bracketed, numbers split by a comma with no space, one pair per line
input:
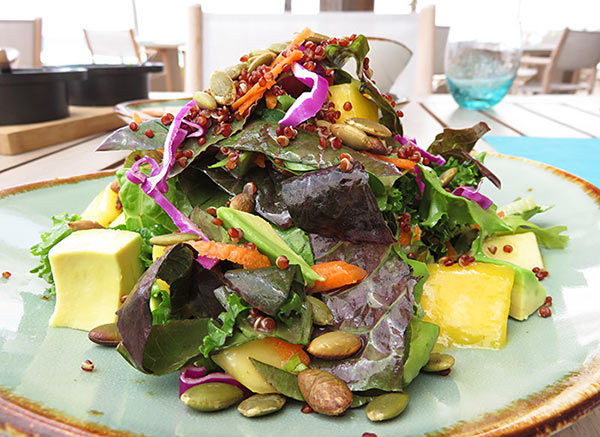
[257,91]
[417,233]
[286,351]
[501,214]
[249,258]
[337,274]
[260,160]
[405,164]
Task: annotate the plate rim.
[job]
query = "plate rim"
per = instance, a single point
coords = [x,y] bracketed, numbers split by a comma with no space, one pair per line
[565,401]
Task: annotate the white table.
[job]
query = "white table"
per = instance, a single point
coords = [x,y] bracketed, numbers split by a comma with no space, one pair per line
[570,116]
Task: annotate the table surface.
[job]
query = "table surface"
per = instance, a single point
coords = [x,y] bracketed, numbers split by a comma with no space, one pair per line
[551,116]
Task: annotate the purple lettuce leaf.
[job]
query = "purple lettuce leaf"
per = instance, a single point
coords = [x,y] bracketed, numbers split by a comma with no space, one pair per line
[335,203]
[191,291]
[378,310]
[452,142]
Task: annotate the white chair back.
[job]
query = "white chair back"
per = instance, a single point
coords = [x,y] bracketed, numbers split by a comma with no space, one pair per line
[388,59]
[113,44]
[26,37]
[577,50]
[222,48]
[441,38]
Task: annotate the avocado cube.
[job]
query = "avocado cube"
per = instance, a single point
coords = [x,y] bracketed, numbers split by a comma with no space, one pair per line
[470,304]
[92,270]
[524,251]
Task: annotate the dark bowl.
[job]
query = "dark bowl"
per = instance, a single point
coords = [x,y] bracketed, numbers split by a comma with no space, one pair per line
[107,85]
[36,94]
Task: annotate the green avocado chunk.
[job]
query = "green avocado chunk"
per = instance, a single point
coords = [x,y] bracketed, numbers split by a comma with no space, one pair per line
[527,294]
[422,338]
[260,232]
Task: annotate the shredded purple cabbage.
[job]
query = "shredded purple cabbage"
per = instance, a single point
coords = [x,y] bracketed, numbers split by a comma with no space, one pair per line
[473,195]
[308,103]
[192,376]
[420,183]
[435,159]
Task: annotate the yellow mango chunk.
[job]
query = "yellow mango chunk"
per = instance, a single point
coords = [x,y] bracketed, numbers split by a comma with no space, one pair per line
[469,304]
[158,251]
[361,106]
[525,250]
[120,220]
[103,209]
[273,351]
[92,269]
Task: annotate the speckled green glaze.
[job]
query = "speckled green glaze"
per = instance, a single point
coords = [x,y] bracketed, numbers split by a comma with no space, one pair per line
[545,377]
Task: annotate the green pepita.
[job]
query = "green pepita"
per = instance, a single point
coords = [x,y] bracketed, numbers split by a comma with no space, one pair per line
[170,239]
[264,58]
[233,71]
[335,345]
[212,396]
[387,406]
[439,362]
[370,127]
[278,47]
[261,405]
[323,123]
[447,176]
[105,335]
[377,146]
[321,314]
[317,38]
[205,100]
[351,136]
[222,88]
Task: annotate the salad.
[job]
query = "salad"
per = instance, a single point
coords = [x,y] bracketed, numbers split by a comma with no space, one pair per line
[280,237]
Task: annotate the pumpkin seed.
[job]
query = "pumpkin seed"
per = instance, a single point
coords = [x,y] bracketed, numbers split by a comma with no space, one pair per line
[317,38]
[170,239]
[351,136]
[335,345]
[321,314]
[212,396]
[261,405]
[222,88]
[370,127]
[105,335]
[387,406]
[448,175]
[233,71]
[205,100]
[242,202]
[439,362]
[324,392]
[377,146]
[264,58]
[278,47]
[258,52]
[323,123]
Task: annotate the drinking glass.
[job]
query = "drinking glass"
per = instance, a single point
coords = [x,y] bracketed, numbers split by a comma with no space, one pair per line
[482,56]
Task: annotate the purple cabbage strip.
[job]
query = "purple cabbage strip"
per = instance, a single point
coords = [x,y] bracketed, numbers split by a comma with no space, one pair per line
[473,195]
[190,377]
[155,186]
[435,159]
[308,103]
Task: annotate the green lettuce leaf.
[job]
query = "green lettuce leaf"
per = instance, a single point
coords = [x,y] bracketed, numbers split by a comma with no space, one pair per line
[452,142]
[60,230]
[550,238]
[217,335]
[298,241]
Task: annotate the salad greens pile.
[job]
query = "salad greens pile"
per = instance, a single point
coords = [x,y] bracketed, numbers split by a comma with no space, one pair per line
[308,198]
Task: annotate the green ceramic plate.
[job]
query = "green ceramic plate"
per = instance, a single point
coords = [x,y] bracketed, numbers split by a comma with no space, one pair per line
[547,376]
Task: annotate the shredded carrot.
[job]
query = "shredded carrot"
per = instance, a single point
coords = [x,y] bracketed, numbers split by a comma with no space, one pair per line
[405,164]
[249,258]
[257,91]
[286,351]
[452,254]
[337,274]
[137,118]
[406,238]
[276,67]
[417,233]
[500,214]
[270,100]
[260,160]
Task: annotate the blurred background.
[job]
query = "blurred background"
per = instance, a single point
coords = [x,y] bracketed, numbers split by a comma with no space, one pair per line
[162,33]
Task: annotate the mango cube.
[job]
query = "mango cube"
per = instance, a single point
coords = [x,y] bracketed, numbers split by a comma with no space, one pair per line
[524,251]
[361,106]
[103,209]
[92,269]
[470,304]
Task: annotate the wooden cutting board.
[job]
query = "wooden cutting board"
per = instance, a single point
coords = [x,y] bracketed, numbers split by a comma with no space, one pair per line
[82,121]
